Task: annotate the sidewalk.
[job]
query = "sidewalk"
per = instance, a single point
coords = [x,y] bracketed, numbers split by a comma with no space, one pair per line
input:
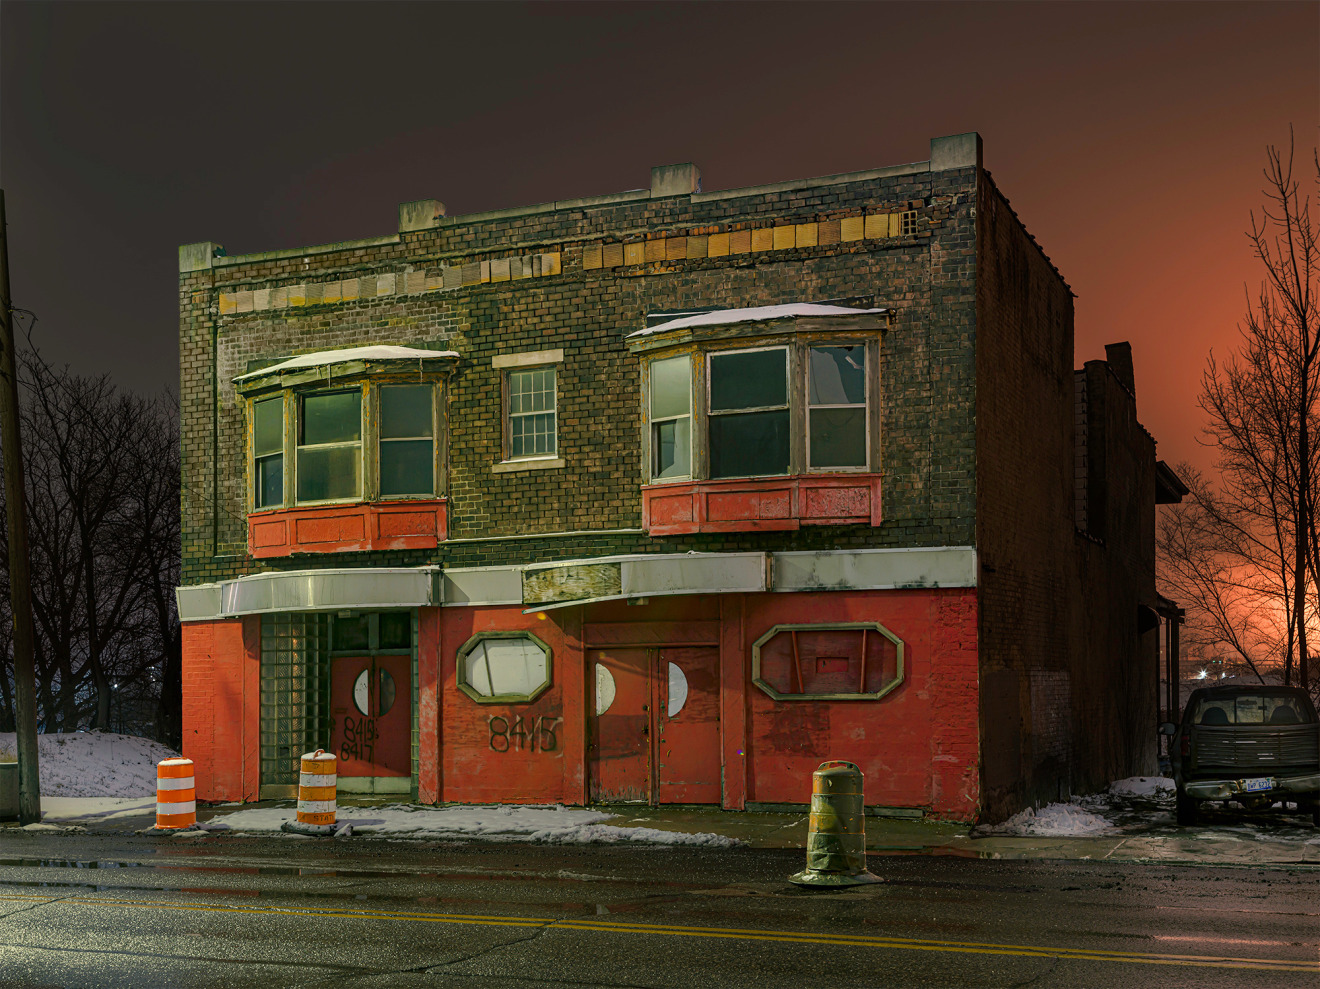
[884,836]
[908,837]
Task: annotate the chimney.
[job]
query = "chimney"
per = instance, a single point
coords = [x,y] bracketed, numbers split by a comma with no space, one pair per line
[675,180]
[1119,358]
[420,215]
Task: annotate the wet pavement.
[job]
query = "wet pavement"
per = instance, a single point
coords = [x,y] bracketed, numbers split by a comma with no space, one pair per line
[121,909]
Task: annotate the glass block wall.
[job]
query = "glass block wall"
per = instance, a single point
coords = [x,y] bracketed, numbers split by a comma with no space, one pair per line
[295,692]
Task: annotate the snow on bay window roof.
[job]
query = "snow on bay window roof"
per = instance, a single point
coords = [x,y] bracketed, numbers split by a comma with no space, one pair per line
[328,358]
[758,314]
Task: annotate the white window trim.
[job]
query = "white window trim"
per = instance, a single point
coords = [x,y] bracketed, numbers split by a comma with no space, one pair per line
[525,361]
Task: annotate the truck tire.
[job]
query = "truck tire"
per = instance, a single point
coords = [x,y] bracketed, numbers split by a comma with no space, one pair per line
[1185,809]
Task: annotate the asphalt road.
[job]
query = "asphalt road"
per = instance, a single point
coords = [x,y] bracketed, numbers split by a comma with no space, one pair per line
[116,910]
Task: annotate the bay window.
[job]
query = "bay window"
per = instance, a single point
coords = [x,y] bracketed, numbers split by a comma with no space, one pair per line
[760,419]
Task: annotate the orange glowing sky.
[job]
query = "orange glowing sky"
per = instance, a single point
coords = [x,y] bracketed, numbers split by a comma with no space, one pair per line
[1129,137]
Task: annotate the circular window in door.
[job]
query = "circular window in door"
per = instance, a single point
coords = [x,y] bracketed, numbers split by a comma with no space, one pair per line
[384,697]
[504,667]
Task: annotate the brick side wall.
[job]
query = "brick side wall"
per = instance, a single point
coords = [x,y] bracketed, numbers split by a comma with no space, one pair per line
[1116,680]
[1024,480]
[926,367]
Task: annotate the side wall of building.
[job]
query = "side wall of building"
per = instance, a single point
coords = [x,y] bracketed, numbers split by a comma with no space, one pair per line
[1024,481]
[1116,684]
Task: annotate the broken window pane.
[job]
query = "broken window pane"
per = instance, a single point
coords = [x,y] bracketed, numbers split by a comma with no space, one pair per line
[838,375]
[672,448]
[671,387]
[838,437]
[749,444]
[836,413]
[754,379]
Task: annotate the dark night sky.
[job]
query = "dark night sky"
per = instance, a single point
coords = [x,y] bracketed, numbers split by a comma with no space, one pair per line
[1129,138]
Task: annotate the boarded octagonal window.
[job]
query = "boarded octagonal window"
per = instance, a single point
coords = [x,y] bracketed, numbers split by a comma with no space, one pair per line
[504,667]
[829,661]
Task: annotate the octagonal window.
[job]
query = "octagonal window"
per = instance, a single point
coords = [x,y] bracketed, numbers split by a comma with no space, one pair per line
[829,661]
[504,667]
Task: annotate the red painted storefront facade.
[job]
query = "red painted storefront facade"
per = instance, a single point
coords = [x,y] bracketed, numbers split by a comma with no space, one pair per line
[730,744]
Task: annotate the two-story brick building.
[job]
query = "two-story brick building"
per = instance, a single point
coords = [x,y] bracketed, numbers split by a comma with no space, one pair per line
[667,495]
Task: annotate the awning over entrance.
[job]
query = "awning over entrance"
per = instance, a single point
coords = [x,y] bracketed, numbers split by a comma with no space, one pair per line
[543,586]
[311,590]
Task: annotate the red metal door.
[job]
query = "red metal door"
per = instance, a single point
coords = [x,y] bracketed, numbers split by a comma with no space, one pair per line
[620,725]
[371,715]
[688,715]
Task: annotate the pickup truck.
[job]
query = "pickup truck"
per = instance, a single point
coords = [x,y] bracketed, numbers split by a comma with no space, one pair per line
[1255,745]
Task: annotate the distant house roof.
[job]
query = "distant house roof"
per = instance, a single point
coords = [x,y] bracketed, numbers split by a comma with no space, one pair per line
[327,358]
[758,314]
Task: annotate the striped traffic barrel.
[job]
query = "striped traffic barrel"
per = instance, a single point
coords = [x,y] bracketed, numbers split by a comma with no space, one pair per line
[176,794]
[316,790]
[836,831]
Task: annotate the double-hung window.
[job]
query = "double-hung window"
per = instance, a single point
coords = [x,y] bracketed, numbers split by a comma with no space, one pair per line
[532,430]
[748,412]
[407,441]
[671,418]
[329,461]
[836,408]
[268,452]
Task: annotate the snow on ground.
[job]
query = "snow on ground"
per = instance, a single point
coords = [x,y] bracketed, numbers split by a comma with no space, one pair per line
[551,825]
[1143,786]
[1056,821]
[84,810]
[94,764]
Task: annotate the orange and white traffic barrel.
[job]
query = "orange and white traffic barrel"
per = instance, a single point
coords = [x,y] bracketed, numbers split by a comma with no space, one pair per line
[316,793]
[176,794]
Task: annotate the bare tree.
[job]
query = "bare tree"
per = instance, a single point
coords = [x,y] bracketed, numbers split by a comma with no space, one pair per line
[1230,568]
[103,490]
[1263,404]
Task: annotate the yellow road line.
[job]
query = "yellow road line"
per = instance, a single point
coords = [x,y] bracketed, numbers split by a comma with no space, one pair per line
[730,933]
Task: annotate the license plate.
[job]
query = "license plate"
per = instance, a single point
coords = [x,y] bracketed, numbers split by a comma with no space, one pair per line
[1263,783]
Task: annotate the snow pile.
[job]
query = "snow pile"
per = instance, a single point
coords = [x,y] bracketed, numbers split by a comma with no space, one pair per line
[547,824]
[94,763]
[1143,786]
[1056,821]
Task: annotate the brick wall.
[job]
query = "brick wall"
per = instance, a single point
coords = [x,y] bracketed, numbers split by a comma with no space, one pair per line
[1065,537]
[1024,478]
[923,267]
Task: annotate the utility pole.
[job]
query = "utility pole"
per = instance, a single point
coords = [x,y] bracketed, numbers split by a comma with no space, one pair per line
[20,586]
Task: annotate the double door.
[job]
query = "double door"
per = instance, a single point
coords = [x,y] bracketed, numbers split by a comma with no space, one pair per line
[371,715]
[654,725]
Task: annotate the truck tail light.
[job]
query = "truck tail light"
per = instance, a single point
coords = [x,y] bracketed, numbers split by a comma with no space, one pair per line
[1186,745]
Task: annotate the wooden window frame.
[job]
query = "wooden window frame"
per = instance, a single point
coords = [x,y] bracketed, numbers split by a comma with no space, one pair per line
[369,454]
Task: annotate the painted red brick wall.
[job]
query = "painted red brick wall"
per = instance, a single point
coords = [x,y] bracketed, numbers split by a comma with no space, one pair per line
[472,767]
[221,666]
[917,746]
